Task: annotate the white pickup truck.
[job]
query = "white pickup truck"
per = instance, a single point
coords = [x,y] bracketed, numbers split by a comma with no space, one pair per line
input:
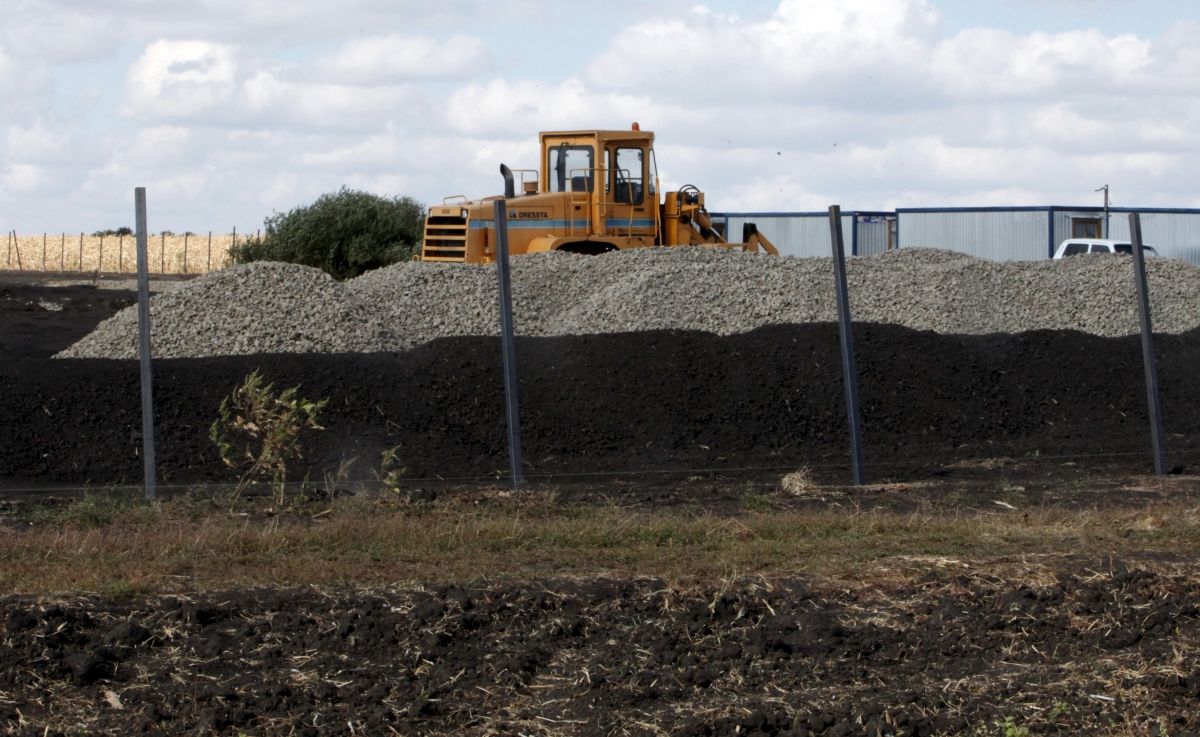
[1080,246]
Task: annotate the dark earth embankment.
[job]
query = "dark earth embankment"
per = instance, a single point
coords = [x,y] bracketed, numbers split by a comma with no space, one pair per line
[648,401]
[644,401]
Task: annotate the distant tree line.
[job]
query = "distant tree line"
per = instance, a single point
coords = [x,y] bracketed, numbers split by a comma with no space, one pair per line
[107,232]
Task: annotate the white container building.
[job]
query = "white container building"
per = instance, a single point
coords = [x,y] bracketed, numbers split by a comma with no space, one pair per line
[1030,233]
[996,233]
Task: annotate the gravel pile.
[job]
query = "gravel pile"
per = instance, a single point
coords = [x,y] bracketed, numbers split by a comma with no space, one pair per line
[261,308]
[255,308]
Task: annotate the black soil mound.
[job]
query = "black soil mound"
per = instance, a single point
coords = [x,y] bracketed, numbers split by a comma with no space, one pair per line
[1097,649]
[655,401]
[38,321]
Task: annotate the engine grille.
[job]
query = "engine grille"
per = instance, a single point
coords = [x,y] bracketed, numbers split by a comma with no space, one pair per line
[445,238]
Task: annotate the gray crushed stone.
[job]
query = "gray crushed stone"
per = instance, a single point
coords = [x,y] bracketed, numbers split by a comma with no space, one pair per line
[255,308]
[270,307]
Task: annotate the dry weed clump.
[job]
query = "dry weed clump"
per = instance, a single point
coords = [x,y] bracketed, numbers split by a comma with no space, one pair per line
[77,252]
[800,483]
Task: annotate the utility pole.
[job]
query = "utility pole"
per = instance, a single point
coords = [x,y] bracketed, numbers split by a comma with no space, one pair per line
[1104,189]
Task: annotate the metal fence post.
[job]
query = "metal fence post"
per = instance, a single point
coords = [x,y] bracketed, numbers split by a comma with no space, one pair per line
[143,279]
[849,372]
[1150,363]
[508,346]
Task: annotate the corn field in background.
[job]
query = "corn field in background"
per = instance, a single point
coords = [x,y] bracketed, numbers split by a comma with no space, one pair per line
[194,253]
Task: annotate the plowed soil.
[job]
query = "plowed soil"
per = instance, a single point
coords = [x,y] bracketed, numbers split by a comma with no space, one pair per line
[1093,648]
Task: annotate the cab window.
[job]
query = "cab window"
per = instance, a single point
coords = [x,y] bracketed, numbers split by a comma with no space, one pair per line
[571,168]
[1074,249]
[628,177]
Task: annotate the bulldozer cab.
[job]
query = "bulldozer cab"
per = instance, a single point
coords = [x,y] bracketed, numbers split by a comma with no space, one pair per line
[609,177]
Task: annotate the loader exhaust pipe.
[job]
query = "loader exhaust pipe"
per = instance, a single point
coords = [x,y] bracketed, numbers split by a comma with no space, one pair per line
[510,187]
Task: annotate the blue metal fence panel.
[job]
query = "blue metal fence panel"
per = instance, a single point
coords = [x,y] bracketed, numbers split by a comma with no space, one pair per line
[794,234]
[997,233]
[1000,234]
[805,234]
[872,234]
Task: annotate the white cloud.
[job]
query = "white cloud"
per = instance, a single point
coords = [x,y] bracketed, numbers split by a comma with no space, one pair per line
[154,153]
[782,188]
[72,31]
[26,87]
[816,49]
[875,53]
[273,98]
[181,79]
[62,31]
[163,143]
[396,58]
[521,108]
[24,178]
[369,151]
[1165,131]
[37,141]
[210,84]
[1062,125]
[8,69]
[985,63]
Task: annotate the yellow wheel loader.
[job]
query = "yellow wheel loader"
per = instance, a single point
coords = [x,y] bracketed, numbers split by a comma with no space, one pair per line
[593,192]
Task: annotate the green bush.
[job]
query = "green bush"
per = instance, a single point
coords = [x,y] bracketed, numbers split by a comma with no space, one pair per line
[345,233]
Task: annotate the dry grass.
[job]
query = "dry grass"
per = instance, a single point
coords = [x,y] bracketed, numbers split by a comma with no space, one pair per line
[190,545]
[74,252]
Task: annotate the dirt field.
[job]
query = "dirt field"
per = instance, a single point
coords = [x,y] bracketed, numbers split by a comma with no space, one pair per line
[1093,649]
[1011,570]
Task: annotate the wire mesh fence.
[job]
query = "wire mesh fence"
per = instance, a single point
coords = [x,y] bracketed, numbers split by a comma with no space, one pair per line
[611,410]
[647,407]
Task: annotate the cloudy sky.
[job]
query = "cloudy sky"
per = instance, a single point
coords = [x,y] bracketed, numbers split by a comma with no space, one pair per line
[228,110]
